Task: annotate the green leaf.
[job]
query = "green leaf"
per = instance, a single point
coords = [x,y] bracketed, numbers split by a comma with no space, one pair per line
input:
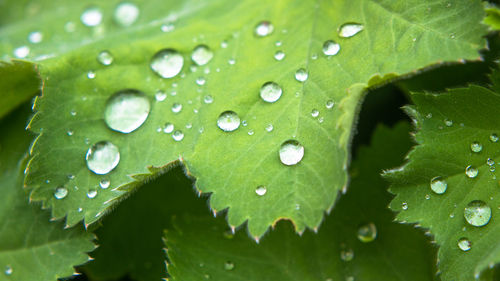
[31,247]
[399,252]
[445,150]
[398,38]
[142,219]
[492,18]
[18,84]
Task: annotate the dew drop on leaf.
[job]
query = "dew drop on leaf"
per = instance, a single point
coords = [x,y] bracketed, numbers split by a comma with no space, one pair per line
[208,99]
[367,232]
[102,157]
[438,185]
[477,213]
[160,95]
[315,113]
[200,81]
[104,183]
[464,244]
[291,152]
[167,27]
[490,162]
[92,193]
[350,29]
[60,193]
[127,110]
[261,190]
[331,48]
[69,133]
[269,127]
[250,132]
[167,63]
[178,135]
[329,104]
[264,28]
[404,206]
[448,122]
[347,255]
[92,16]
[105,58]
[8,270]
[476,147]
[494,138]
[471,171]
[22,52]
[169,128]
[126,14]
[91,74]
[35,37]
[270,92]
[202,55]
[228,266]
[301,75]
[176,107]
[279,55]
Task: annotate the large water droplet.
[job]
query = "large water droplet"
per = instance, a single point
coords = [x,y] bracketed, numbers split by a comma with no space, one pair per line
[261,190]
[229,266]
[60,193]
[104,183]
[367,233]
[105,58]
[331,48]
[477,213]
[167,63]
[202,55]
[438,185]
[102,157]
[476,147]
[270,92]
[178,135]
[228,121]
[35,37]
[126,13]
[464,244]
[347,254]
[92,193]
[291,152]
[471,171]
[264,28]
[91,16]
[127,110]
[350,29]
[8,270]
[301,75]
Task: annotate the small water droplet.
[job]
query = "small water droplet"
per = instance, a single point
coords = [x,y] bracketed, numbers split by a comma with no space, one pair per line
[350,29]
[279,55]
[189,126]
[471,171]
[427,197]
[329,104]
[91,16]
[347,254]
[126,14]
[169,128]
[404,206]
[494,138]
[464,244]
[208,99]
[331,48]
[438,185]
[261,190]
[367,233]
[200,81]
[264,28]
[167,27]
[291,152]
[92,193]
[60,193]
[202,55]
[167,63]
[22,52]
[229,266]
[160,95]
[176,107]
[477,213]
[126,110]
[231,61]
[448,122]
[35,37]
[105,58]
[314,113]
[250,132]
[490,162]
[270,92]
[269,127]
[70,132]
[8,270]
[476,147]
[178,135]
[301,75]
[91,74]
[104,183]
[102,157]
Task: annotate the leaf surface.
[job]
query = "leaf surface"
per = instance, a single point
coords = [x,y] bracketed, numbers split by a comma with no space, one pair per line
[18,83]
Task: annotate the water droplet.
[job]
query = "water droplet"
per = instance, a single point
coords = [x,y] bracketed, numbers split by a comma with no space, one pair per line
[169,128]
[178,135]
[331,48]
[208,99]
[490,162]
[91,16]
[270,92]
[126,110]
[438,185]
[202,55]
[102,157]
[448,122]
[167,63]
[22,52]
[35,37]
[200,81]
[464,244]
[261,190]
[471,171]
[105,58]
[477,213]
[206,276]
[314,113]
[92,193]
[269,127]
[250,132]
[301,75]
[494,138]
[476,147]
[126,13]
[350,29]
[231,61]
[104,183]
[228,121]
[291,152]
[264,28]
[244,123]
[189,126]
[279,55]
[69,132]
[404,206]
[347,255]
[8,270]
[60,193]
[329,104]
[367,233]
[427,197]
[167,27]
[91,74]
[160,95]
[223,44]
[229,266]
[176,107]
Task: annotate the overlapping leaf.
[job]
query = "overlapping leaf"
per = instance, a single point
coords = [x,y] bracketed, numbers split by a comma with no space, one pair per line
[398,38]
[18,83]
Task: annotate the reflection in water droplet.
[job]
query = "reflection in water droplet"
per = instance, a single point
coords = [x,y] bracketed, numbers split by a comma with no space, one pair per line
[208,99]
[438,185]
[35,37]
[471,171]
[264,28]
[279,55]
[176,107]
[494,138]
[169,128]
[60,193]
[104,183]
[350,29]
[270,92]
[167,63]
[367,233]
[92,193]
[229,266]
[22,52]
[477,213]
[102,157]
[329,104]
[178,135]
[91,16]
[105,58]
[126,13]
[347,255]
[126,110]
[202,55]
[8,270]
[228,121]
[464,244]
[301,75]
[261,190]
[476,147]
[331,48]
[291,152]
